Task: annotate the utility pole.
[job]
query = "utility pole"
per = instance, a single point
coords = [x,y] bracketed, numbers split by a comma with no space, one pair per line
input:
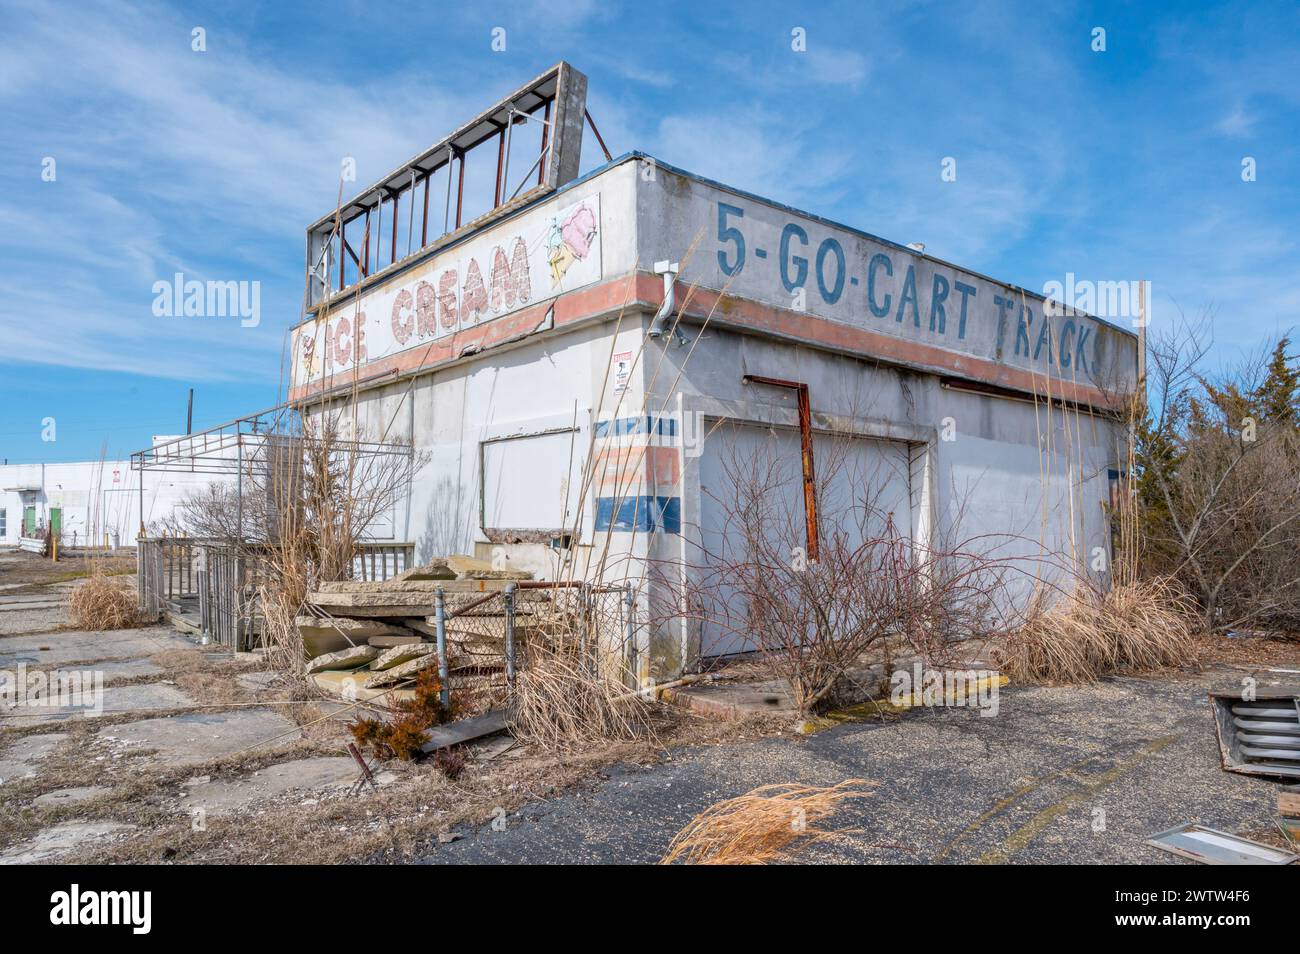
[189,415]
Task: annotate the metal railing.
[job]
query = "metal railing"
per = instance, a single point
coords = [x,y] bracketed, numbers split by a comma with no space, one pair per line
[165,572]
[382,561]
[213,584]
[229,607]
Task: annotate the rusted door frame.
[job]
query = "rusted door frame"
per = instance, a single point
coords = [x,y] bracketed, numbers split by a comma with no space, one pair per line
[812,534]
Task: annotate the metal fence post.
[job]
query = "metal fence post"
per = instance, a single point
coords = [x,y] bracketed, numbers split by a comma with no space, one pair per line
[509,599]
[157,573]
[440,619]
[629,635]
[585,613]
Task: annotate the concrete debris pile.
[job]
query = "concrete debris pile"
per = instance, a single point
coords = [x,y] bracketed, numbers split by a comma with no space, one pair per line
[373,639]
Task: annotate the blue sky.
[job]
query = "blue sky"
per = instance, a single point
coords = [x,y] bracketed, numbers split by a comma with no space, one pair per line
[1120,164]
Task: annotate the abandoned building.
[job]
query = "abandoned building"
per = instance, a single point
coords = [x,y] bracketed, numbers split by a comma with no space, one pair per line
[566,361]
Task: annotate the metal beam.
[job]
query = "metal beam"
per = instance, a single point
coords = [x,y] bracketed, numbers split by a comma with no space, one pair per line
[603,148]
[561,91]
[812,533]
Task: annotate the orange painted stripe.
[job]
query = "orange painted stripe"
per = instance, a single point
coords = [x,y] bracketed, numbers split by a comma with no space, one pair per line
[745,313]
[569,308]
[643,290]
[627,467]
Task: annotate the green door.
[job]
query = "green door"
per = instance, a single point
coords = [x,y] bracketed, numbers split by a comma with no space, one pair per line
[56,521]
[29,521]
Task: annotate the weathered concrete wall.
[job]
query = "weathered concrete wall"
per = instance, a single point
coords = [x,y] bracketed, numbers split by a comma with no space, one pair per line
[990,472]
[814,280]
[549,391]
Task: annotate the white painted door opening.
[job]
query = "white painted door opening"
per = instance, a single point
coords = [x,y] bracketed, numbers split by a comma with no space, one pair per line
[532,482]
[864,488]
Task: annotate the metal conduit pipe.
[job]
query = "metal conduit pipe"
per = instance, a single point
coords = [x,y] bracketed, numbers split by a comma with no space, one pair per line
[669,272]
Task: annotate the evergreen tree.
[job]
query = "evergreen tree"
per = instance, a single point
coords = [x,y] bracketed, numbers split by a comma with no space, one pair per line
[1277,399]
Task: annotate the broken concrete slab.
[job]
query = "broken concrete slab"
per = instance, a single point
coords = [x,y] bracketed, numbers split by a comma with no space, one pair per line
[472,568]
[417,592]
[351,686]
[733,701]
[354,657]
[70,796]
[488,748]
[128,668]
[25,620]
[321,636]
[143,697]
[11,603]
[458,566]
[489,627]
[200,737]
[388,642]
[436,569]
[69,647]
[257,681]
[347,603]
[407,670]
[61,840]
[376,613]
[146,695]
[20,759]
[306,775]
[400,654]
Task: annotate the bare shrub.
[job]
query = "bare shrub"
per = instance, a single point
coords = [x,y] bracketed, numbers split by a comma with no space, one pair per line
[572,686]
[308,496]
[215,512]
[1138,626]
[450,761]
[103,602]
[759,827]
[869,594]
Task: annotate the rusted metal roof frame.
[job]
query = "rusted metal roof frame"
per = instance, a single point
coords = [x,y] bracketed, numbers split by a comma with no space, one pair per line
[210,451]
[561,85]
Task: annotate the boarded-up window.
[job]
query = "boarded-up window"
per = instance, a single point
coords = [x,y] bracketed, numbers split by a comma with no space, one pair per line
[532,483]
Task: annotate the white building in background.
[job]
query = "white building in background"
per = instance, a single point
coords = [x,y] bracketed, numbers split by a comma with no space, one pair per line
[89,502]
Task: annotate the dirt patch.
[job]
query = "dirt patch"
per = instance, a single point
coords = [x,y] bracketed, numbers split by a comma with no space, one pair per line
[37,571]
[1250,649]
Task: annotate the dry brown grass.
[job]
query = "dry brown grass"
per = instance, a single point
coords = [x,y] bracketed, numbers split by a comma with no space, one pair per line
[564,698]
[1139,626]
[759,827]
[103,602]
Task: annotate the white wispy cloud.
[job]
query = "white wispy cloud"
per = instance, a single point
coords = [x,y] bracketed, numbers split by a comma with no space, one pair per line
[1237,122]
[172,160]
[830,65]
[755,151]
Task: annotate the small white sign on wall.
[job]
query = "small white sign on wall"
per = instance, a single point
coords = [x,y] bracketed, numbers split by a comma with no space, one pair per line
[622,370]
